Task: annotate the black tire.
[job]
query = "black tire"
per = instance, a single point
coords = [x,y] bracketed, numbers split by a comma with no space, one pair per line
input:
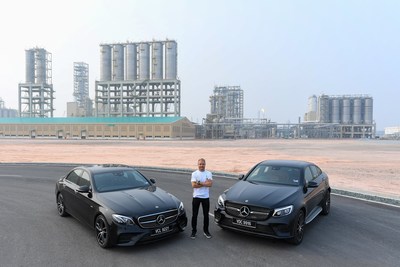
[102,232]
[61,206]
[326,204]
[298,229]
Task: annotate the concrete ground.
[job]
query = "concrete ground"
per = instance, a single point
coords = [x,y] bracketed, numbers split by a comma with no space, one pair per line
[365,166]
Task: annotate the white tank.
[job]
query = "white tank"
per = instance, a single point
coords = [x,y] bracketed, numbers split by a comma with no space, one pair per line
[368,111]
[30,66]
[118,62]
[312,103]
[357,111]
[40,57]
[346,111]
[131,62]
[105,63]
[157,61]
[144,61]
[171,57]
[335,110]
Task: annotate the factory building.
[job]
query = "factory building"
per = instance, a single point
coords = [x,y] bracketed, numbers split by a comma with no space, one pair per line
[138,79]
[136,128]
[36,94]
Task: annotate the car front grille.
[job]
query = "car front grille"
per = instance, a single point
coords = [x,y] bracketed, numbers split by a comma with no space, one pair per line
[150,221]
[255,213]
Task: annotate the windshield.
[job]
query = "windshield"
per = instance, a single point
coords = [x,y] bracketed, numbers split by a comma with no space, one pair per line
[275,175]
[119,180]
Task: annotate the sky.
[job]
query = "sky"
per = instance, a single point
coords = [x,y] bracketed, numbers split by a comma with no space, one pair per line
[278,52]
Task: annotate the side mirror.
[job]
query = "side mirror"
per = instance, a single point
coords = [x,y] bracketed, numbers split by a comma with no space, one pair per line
[83,189]
[312,184]
[241,177]
[153,181]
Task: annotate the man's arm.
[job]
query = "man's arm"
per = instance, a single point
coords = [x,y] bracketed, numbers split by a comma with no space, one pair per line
[207,183]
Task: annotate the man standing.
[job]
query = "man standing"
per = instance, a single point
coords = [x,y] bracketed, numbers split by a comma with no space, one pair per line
[201,183]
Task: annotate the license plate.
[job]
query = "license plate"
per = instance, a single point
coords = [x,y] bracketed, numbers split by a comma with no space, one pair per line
[162,230]
[244,223]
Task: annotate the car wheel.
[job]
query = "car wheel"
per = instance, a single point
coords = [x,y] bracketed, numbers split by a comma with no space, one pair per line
[326,204]
[298,229]
[61,206]
[102,232]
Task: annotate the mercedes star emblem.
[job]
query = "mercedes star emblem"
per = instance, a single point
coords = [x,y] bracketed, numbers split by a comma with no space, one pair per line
[244,211]
[160,219]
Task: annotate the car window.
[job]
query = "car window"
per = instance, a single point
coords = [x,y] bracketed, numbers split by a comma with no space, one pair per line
[275,175]
[315,171]
[73,177]
[84,179]
[308,174]
[119,180]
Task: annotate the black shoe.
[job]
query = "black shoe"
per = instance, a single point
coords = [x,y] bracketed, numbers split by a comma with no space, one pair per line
[193,235]
[208,235]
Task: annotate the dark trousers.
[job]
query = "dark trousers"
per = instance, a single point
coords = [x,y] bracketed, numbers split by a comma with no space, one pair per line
[205,204]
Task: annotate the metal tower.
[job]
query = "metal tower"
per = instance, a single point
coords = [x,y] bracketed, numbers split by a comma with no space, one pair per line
[36,95]
[227,102]
[81,83]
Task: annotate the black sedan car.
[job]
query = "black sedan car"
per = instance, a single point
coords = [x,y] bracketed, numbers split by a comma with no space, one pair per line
[277,198]
[120,204]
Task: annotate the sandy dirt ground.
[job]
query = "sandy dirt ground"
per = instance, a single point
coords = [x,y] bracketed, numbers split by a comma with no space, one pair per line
[364,166]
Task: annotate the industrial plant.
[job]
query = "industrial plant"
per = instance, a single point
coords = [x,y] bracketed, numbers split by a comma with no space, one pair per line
[348,116]
[138,79]
[138,95]
[36,95]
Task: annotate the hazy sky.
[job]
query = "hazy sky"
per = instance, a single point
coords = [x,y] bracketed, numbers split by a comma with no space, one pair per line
[279,52]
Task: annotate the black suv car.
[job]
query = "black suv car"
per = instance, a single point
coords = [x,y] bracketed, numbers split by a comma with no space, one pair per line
[277,198]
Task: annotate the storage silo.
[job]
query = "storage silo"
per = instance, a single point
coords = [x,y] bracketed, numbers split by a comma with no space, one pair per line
[144,61]
[346,110]
[157,61]
[323,109]
[40,57]
[118,62]
[335,110]
[368,110]
[312,103]
[105,63]
[357,110]
[30,66]
[131,61]
[171,58]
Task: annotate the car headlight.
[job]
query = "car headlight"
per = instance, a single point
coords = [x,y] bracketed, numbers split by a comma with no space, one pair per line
[221,201]
[121,219]
[283,211]
[181,208]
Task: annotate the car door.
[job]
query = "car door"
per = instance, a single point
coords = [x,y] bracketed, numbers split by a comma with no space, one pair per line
[319,178]
[86,207]
[69,188]
[311,195]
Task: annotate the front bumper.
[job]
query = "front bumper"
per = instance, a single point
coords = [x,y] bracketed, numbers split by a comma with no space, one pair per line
[128,235]
[272,227]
